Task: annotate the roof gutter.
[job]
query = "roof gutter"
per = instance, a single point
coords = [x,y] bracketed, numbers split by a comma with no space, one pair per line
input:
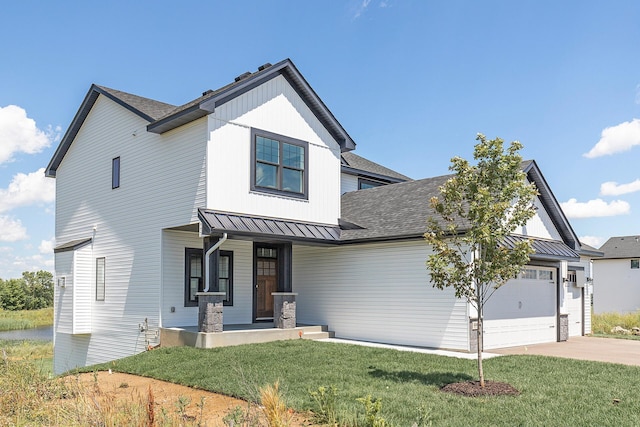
[206,257]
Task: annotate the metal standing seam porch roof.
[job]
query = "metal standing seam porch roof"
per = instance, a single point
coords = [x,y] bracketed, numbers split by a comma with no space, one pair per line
[246,225]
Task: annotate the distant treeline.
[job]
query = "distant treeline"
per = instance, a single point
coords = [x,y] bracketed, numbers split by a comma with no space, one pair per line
[31,292]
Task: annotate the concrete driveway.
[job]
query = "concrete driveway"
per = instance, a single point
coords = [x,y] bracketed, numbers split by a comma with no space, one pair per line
[626,352]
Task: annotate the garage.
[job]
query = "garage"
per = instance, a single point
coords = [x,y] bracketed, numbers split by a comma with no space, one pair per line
[523,311]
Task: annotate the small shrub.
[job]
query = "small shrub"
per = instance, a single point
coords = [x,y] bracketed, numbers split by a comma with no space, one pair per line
[325,399]
[371,412]
[273,406]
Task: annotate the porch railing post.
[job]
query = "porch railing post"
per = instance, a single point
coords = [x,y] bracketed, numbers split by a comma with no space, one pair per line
[284,310]
[210,310]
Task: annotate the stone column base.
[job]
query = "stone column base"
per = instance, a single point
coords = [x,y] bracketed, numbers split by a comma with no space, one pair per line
[210,309]
[284,310]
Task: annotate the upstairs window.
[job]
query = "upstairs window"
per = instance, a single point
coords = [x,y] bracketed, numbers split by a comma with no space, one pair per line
[364,183]
[635,263]
[279,164]
[115,173]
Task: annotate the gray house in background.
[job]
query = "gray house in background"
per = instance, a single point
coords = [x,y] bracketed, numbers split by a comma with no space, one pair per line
[617,276]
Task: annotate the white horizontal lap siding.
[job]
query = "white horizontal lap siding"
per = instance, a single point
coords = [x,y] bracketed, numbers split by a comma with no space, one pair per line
[162,182]
[273,107]
[348,183]
[84,281]
[173,270]
[540,225]
[378,292]
[616,286]
[63,297]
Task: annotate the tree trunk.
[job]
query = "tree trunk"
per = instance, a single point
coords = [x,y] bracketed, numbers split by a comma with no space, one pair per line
[480,332]
[480,347]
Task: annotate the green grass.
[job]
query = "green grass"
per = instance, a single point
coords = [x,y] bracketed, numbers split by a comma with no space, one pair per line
[25,319]
[40,353]
[555,392]
[601,324]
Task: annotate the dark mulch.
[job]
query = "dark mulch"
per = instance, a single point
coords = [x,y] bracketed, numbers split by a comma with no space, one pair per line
[473,389]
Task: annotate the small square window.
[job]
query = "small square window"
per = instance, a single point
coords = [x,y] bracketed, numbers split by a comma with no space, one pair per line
[635,263]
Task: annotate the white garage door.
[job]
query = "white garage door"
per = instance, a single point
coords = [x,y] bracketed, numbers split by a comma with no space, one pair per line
[523,311]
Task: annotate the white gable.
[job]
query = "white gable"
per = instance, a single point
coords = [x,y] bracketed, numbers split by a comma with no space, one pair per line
[273,107]
[540,225]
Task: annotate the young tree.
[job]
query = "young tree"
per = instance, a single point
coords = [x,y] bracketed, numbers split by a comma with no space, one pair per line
[480,205]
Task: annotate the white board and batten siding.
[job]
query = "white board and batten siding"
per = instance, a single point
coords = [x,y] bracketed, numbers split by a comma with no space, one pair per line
[174,244]
[378,292]
[540,225]
[162,183]
[274,107]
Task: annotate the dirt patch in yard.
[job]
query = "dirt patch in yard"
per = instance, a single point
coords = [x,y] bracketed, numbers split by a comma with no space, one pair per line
[204,408]
[473,389]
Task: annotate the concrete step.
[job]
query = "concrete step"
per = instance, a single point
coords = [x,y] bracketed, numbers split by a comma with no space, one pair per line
[318,335]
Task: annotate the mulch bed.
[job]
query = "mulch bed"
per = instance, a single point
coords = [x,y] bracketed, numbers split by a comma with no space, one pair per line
[473,389]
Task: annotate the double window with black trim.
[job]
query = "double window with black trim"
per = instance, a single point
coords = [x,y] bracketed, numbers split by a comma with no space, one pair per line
[279,164]
[194,276]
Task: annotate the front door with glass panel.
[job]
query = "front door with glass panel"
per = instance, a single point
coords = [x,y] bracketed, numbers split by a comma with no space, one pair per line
[266,281]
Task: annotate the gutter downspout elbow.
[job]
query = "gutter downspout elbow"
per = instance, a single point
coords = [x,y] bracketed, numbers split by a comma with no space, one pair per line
[206,257]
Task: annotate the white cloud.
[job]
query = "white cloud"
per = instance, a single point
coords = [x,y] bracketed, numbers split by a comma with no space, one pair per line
[612,188]
[11,230]
[595,208]
[616,139]
[594,241]
[364,4]
[46,246]
[19,134]
[27,189]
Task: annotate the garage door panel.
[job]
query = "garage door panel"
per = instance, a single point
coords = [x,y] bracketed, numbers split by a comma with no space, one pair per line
[523,311]
[514,332]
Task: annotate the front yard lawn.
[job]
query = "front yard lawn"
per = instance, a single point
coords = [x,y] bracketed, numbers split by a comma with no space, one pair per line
[554,391]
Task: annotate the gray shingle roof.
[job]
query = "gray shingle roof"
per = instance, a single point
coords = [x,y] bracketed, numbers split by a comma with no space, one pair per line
[358,163]
[621,247]
[151,108]
[390,211]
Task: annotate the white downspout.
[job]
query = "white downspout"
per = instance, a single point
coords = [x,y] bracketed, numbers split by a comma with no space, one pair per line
[206,257]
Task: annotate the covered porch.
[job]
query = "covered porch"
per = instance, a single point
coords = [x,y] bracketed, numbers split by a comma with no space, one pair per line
[237,280]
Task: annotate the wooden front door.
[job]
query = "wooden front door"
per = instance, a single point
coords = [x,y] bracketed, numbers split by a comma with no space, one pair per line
[266,283]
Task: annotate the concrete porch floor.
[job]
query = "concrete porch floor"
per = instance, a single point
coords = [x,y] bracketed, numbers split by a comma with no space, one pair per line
[253,333]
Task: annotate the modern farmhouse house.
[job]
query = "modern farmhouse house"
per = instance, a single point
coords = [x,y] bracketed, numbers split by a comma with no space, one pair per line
[251,196]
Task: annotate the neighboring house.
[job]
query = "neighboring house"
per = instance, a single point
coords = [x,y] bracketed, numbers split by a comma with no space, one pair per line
[617,276]
[253,189]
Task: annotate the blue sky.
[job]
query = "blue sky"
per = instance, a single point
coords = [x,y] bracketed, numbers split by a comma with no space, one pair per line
[413,82]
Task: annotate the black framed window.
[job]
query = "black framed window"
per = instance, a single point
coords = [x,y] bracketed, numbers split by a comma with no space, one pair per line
[364,183]
[100,278]
[115,173]
[635,263]
[279,164]
[194,276]
[225,275]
